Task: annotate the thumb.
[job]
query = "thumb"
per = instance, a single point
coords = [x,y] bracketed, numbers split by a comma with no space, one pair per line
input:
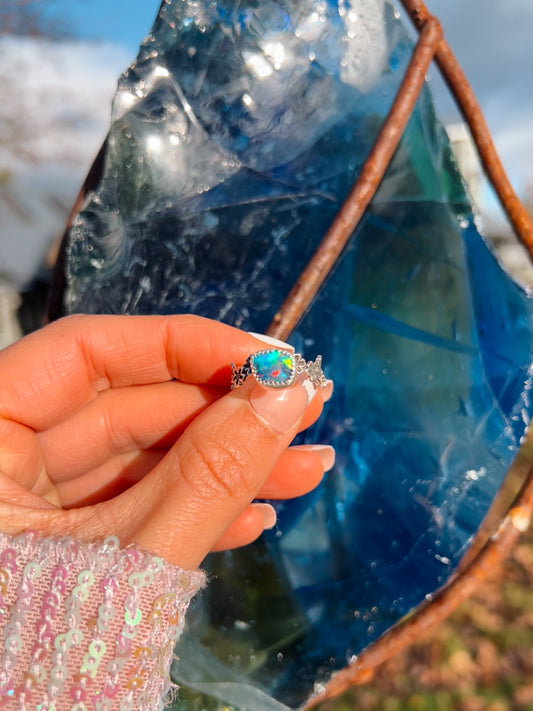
[215,470]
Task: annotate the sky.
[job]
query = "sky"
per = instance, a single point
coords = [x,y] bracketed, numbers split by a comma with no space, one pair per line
[61,95]
[114,21]
[492,40]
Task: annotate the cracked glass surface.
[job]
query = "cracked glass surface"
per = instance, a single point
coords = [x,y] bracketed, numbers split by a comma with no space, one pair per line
[235,136]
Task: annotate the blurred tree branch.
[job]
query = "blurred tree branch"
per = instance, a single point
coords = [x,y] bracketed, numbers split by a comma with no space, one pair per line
[528,199]
[34,18]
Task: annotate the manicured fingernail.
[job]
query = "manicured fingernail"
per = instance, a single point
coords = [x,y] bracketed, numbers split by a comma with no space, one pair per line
[280,408]
[269,514]
[272,341]
[309,388]
[327,390]
[325,452]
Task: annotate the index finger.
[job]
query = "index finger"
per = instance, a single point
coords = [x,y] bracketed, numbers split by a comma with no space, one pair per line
[53,372]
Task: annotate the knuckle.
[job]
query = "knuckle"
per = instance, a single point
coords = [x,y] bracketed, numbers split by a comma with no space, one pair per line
[97,522]
[213,468]
[111,428]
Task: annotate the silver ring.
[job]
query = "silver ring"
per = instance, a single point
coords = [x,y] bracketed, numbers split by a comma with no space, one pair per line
[277,368]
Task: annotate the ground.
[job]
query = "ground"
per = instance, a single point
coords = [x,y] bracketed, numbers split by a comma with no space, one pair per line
[480,659]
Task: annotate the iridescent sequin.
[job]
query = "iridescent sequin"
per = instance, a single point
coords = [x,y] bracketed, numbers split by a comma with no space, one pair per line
[106,628]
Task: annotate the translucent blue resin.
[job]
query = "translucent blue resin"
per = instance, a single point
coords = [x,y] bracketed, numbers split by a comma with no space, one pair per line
[236,135]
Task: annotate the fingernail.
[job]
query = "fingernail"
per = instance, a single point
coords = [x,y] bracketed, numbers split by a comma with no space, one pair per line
[280,408]
[272,341]
[269,514]
[309,388]
[327,390]
[325,452]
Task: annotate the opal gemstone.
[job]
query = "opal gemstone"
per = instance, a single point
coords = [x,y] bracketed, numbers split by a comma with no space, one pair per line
[273,368]
[235,138]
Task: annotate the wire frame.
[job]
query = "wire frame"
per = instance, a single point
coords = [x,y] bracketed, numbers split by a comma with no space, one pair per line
[488,553]
[490,548]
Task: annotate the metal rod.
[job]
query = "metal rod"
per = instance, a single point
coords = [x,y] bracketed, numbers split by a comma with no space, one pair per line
[364,188]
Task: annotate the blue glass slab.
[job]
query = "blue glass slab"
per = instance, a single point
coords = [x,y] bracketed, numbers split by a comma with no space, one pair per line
[236,135]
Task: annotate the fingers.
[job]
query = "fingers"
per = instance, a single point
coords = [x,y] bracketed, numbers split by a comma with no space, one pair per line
[122,421]
[129,420]
[197,497]
[109,480]
[20,455]
[247,527]
[179,506]
[299,470]
[314,409]
[214,471]
[118,438]
[65,365]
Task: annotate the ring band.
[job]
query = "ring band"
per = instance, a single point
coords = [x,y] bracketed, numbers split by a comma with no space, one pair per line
[277,368]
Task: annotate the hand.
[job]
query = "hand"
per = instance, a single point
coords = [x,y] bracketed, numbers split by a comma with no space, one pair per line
[124,425]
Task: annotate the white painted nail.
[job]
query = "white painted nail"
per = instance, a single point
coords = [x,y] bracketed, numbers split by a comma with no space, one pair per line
[327,390]
[269,514]
[309,388]
[272,341]
[325,452]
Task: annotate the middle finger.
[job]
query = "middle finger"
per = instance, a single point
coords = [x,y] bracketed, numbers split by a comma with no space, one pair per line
[122,421]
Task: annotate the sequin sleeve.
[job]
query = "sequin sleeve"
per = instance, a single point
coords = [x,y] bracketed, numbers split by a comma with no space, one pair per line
[87,626]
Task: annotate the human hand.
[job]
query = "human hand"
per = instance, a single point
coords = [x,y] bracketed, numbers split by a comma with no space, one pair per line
[124,425]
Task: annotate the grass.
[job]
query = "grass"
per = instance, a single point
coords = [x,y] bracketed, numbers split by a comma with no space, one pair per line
[480,659]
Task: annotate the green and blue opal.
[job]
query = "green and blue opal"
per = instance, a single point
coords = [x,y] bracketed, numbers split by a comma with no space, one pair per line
[273,368]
